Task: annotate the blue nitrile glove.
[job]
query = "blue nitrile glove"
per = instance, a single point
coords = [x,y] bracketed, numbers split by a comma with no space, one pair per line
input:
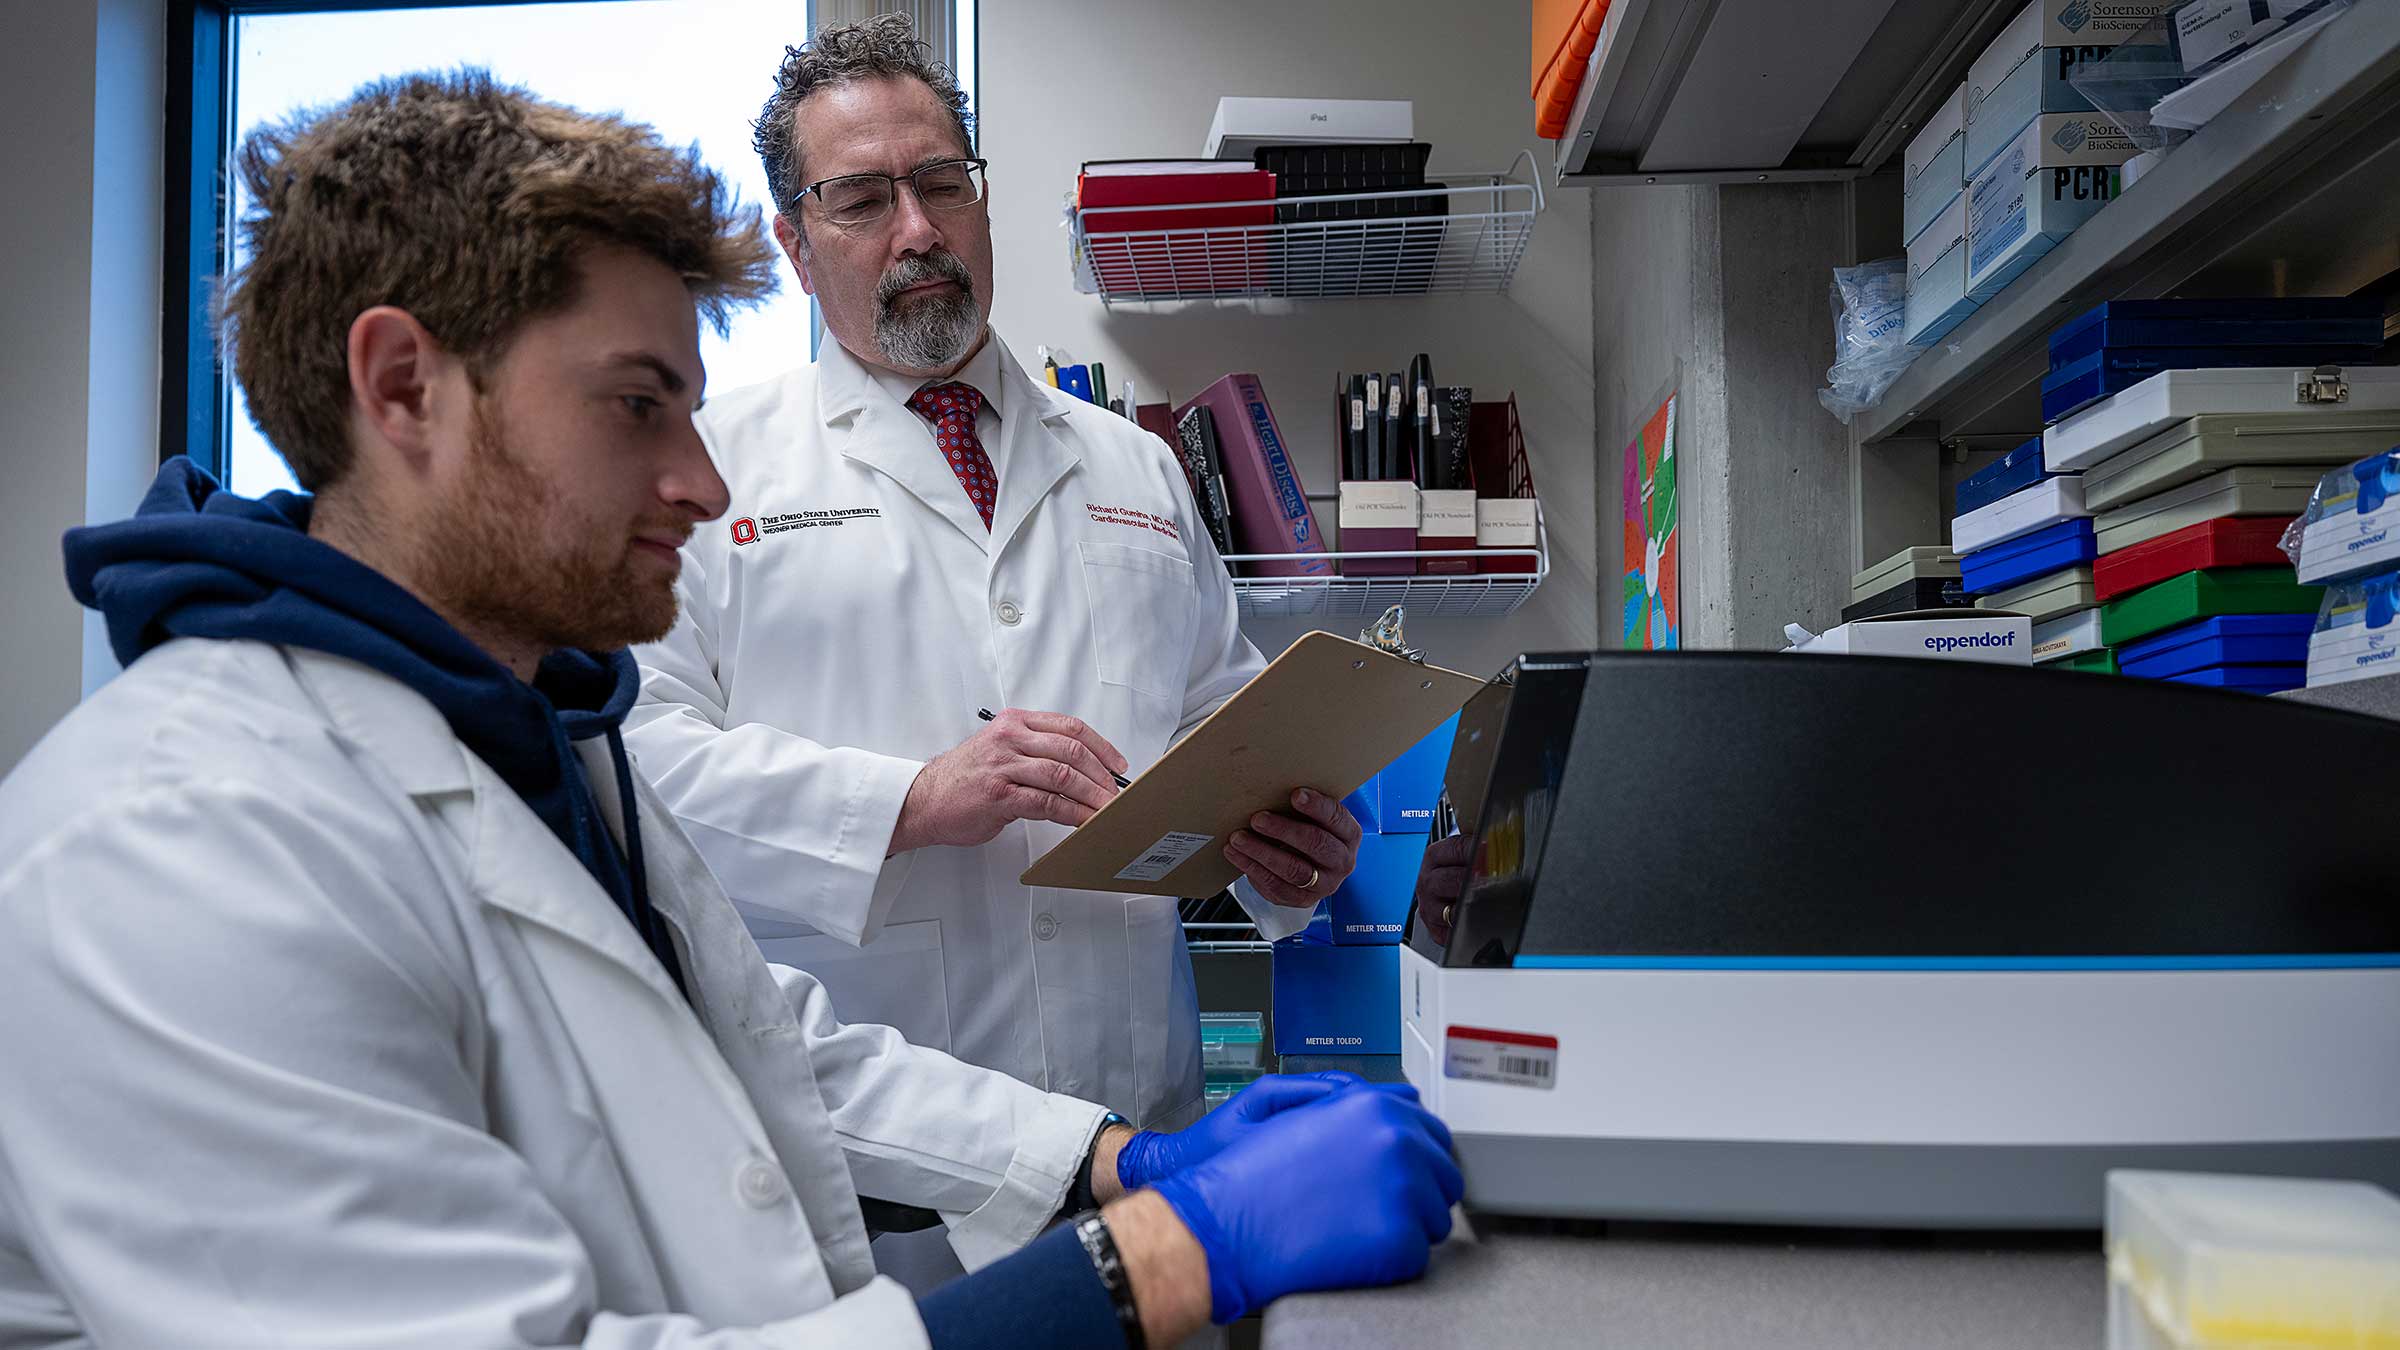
[1353,1189]
[1150,1154]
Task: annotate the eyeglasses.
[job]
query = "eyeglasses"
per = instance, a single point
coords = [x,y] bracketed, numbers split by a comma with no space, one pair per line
[856,200]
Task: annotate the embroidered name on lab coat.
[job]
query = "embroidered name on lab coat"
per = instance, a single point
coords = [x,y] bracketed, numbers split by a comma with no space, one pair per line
[1132,519]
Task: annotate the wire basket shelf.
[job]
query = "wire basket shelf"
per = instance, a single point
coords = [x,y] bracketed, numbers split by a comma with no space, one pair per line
[1467,234]
[1480,594]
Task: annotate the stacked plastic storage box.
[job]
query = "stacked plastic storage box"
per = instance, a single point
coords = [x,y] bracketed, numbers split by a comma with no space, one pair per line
[1921,577]
[2349,541]
[2199,428]
[1337,981]
[2025,547]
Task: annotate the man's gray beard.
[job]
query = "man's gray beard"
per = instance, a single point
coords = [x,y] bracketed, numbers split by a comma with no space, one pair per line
[934,333]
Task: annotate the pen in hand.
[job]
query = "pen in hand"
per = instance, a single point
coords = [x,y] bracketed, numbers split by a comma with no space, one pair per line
[1122,780]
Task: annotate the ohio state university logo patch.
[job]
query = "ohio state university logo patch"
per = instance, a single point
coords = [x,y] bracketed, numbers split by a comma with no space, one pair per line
[745,531]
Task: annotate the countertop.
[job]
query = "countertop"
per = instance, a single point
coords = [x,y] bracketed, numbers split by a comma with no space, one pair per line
[1662,1287]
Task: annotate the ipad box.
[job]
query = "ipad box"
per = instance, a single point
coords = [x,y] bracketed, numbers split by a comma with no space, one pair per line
[1937,276]
[1942,635]
[1371,907]
[1334,998]
[1242,125]
[1935,165]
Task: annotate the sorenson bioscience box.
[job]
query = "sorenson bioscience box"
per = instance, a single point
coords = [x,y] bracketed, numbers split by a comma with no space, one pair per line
[2058,173]
[2024,73]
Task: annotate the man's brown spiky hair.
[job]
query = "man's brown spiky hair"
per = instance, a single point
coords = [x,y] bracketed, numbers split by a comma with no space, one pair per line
[468,204]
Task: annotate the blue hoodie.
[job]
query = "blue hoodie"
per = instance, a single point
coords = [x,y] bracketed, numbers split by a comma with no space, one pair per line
[197,561]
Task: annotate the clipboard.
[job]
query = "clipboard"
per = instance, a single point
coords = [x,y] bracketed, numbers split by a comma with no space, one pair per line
[1327,714]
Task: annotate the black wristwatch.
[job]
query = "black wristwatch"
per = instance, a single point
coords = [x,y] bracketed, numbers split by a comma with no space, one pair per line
[1101,1245]
[1079,1195]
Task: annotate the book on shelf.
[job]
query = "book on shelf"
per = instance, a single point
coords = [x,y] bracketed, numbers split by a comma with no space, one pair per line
[1268,507]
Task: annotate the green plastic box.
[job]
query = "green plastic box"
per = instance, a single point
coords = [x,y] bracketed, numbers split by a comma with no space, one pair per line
[2204,595]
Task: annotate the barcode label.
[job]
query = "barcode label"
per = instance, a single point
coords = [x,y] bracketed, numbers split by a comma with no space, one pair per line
[1165,856]
[1517,1058]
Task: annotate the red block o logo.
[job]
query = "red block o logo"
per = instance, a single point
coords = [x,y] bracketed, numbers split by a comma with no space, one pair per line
[745,531]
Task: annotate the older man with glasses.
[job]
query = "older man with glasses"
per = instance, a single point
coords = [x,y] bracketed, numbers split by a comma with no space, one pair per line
[950,608]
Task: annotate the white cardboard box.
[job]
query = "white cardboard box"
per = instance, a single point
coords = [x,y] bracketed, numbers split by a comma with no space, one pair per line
[1244,124]
[2057,174]
[1937,276]
[1935,634]
[1935,169]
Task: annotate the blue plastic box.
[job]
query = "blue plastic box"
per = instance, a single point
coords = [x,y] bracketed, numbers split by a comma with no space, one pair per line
[1372,906]
[1401,799]
[1332,999]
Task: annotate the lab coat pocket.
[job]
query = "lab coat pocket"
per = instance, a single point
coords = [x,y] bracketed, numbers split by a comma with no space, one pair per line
[896,980]
[1141,601]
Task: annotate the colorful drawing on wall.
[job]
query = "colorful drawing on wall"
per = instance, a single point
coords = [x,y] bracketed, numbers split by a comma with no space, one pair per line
[1653,541]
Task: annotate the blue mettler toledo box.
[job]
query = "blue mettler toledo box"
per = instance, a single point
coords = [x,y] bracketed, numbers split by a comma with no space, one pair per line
[1332,999]
[1400,800]
[1372,906]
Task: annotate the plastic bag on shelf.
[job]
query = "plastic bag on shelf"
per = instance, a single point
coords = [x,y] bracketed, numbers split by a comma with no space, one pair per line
[1870,347]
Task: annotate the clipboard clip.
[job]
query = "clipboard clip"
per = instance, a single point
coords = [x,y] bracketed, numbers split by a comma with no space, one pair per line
[1384,636]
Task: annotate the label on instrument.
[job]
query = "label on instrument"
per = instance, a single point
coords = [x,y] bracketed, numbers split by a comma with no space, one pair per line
[1512,1057]
[1165,856]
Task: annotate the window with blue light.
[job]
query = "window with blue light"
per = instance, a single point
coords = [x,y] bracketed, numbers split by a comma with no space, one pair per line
[696,70]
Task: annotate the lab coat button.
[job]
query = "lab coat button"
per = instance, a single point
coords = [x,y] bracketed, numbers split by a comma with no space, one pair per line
[760,1184]
[1009,613]
[1045,926]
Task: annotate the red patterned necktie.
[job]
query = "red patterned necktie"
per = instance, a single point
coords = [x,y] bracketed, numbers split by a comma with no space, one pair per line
[952,408]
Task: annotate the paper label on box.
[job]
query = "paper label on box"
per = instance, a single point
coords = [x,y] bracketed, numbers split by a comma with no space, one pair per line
[1996,208]
[1505,522]
[1379,506]
[1449,513]
[2206,30]
[1512,1057]
[2105,23]
[1165,856]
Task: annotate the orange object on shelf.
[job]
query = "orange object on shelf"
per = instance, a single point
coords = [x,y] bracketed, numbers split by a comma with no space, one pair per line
[1564,34]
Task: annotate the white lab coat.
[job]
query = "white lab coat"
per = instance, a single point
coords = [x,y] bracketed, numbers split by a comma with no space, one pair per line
[815,668]
[312,1034]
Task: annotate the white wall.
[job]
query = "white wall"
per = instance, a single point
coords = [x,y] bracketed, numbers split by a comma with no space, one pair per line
[1063,81]
[81,86]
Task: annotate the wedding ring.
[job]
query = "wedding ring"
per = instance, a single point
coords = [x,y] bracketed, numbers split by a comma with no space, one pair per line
[1446,908]
[1315,875]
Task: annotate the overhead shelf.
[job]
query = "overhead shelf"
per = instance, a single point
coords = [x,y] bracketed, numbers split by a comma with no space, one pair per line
[2289,192]
[1467,234]
[1698,91]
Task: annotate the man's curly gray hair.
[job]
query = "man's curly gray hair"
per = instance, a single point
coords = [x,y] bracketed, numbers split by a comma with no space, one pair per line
[882,47]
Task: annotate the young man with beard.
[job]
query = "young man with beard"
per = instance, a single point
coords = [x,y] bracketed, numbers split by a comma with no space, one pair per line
[919,530]
[356,990]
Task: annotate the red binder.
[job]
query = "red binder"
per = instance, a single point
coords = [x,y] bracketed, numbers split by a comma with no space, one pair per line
[1148,262]
[1270,509]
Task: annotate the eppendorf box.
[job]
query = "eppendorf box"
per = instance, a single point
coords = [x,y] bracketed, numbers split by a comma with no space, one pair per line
[1936,634]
